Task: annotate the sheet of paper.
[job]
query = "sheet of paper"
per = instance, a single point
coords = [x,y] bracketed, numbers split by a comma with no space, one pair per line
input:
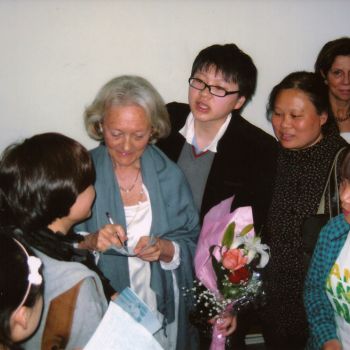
[129,251]
[138,310]
[118,330]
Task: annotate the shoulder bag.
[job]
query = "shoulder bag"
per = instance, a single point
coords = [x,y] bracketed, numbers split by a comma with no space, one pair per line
[313,224]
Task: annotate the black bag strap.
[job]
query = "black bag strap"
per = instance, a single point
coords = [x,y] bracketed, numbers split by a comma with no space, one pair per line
[332,189]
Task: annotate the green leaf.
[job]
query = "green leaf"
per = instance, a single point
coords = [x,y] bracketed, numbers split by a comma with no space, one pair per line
[246,229]
[232,291]
[227,239]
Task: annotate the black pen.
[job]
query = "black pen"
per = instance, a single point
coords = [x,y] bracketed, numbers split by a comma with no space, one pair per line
[110,220]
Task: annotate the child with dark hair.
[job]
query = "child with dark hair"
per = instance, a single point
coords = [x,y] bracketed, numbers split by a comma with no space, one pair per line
[21,289]
[46,186]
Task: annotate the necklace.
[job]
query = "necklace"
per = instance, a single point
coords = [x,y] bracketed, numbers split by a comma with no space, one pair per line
[127,190]
[341,117]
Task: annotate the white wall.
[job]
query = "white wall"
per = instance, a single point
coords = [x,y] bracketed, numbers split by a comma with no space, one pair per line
[56,54]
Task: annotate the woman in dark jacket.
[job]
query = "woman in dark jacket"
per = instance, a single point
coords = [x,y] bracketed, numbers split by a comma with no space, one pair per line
[308,143]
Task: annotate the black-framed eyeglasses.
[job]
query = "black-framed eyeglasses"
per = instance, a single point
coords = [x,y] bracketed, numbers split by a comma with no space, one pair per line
[214,90]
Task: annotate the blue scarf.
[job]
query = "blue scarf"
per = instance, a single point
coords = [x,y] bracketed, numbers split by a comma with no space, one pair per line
[174,218]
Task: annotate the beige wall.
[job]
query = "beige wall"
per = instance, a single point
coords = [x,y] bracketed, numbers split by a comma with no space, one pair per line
[56,54]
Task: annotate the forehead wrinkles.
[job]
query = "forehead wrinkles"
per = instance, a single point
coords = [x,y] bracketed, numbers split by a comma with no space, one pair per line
[341,62]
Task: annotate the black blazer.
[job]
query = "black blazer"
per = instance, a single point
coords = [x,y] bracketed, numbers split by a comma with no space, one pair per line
[244,164]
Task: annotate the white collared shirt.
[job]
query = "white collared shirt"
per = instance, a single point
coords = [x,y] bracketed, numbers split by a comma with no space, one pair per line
[187,131]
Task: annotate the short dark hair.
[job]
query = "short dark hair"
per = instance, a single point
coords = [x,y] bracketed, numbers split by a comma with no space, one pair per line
[235,66]
[14,283]
[310,84]
[345,167]
[41,178]
[329,52]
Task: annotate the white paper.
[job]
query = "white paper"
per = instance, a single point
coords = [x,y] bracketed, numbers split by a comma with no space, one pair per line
[118,330]
[129,251]
[138,310]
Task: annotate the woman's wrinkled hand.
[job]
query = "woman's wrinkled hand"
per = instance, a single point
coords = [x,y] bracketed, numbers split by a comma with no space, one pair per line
[147,251]
[226,324]
[109,235]
[162,249]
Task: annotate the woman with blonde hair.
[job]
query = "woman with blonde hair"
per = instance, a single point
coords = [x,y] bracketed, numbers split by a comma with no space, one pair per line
[138,187]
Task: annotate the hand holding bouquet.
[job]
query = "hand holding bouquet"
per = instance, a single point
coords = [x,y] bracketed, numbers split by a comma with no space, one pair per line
[227,262]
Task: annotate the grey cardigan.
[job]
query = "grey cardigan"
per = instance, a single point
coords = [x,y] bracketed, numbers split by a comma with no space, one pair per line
[60,276]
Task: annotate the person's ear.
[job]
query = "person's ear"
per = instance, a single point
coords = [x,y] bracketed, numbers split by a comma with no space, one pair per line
[323,118]
[19,322]
[21,317]
[240,102]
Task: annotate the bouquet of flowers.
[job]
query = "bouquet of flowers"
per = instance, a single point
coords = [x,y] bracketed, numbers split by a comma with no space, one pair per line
[227,262]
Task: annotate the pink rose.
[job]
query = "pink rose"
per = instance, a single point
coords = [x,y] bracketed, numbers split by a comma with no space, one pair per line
[233,259]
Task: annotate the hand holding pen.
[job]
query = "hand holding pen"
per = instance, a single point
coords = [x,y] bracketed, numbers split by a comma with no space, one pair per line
[144,248]
[122,243]
[108,236]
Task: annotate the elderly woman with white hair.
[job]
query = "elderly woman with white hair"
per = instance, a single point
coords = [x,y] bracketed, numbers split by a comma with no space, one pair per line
[147,194]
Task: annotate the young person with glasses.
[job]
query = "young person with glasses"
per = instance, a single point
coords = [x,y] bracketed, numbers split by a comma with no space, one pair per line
[220,152]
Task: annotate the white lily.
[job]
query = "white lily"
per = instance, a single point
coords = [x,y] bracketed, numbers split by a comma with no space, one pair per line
[252,246]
